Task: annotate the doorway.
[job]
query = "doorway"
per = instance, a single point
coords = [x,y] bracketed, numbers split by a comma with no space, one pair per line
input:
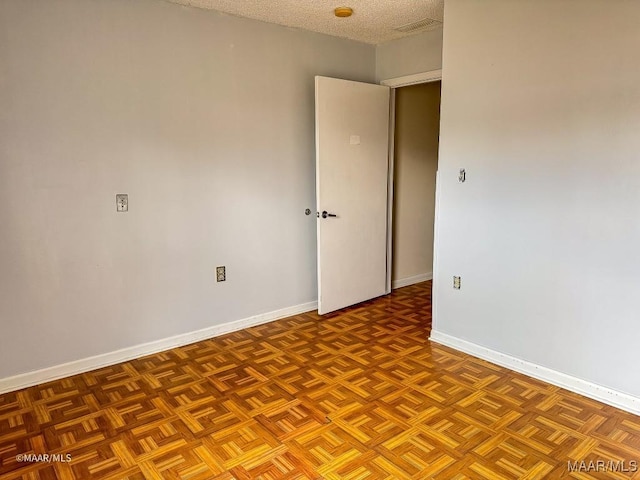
[415,164]
[397,228]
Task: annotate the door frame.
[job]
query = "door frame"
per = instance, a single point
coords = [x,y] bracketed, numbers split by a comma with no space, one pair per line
[393,83]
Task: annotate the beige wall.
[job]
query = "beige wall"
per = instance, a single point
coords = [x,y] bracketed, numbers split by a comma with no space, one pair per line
[414,54]
[416,162]
[205,120]
[541,105]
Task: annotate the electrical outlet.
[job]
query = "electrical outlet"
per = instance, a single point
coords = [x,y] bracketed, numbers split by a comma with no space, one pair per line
[462,176]
[122,202]
[221,274]
[457,282]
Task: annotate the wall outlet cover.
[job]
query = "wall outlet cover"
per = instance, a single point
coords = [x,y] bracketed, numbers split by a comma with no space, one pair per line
[221,274]
[122,202]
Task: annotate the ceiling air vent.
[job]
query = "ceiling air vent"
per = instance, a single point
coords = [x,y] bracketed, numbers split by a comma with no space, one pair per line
[424,24]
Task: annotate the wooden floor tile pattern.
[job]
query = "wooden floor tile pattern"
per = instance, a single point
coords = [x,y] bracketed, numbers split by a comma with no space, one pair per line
[358,394]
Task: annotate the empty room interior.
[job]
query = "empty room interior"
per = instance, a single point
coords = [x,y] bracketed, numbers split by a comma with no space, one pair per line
[391,239]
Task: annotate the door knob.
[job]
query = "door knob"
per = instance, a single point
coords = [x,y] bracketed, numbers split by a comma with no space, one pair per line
[325,214]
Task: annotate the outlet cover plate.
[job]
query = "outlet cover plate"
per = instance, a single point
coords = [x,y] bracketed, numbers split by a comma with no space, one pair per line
[457,282]
[221,274]
[122,202]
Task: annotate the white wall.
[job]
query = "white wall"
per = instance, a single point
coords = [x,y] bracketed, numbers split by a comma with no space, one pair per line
[417,124]
[541,105]
[205,120]
[414,54]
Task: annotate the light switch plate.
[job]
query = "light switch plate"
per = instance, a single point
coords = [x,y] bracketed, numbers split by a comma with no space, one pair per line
[122,202]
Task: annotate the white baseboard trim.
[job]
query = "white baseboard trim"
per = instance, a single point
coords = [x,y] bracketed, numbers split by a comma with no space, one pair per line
[606,395]
[405,282]
[24,380]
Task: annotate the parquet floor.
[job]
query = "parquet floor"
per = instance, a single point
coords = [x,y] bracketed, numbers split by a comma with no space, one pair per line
[360,394]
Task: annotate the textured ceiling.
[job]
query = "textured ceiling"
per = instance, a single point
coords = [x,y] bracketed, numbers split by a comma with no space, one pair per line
[373,21]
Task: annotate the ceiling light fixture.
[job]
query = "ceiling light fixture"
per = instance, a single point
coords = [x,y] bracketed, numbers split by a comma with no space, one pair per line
[343,12]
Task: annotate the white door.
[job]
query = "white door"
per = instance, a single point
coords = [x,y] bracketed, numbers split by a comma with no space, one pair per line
[352,147]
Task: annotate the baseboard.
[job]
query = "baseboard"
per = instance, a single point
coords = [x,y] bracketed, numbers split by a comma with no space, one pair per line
[405,282]
[36,377]
[606,395]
